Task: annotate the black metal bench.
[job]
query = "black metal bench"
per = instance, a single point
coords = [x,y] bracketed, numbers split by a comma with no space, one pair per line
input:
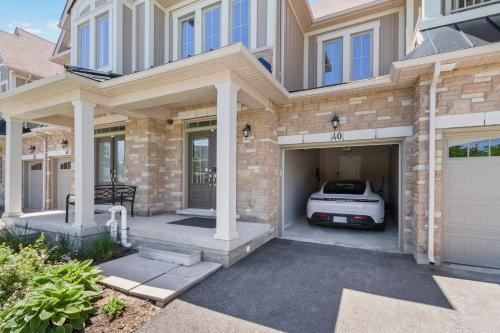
[108,194]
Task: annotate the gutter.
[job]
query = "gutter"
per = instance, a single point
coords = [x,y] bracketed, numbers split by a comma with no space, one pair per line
[432,162]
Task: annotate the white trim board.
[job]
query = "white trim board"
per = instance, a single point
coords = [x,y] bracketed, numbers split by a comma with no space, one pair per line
[468,120]
[346,37]
[368,134]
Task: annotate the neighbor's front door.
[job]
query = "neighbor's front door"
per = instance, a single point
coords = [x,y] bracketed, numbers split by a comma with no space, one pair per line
[202,169]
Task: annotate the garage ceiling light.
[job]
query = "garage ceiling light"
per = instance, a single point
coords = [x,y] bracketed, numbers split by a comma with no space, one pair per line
[347,149]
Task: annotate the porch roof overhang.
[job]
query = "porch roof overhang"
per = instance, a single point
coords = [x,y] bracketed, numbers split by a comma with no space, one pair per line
[151,92]
[192,81]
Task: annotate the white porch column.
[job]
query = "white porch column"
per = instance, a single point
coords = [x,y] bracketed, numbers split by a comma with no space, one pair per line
[226,160]
[84,164]
[13,168]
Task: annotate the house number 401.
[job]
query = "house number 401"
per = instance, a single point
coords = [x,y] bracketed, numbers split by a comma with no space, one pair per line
[337,136]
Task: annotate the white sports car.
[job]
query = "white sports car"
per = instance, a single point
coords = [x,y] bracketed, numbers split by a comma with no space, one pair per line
[346,203]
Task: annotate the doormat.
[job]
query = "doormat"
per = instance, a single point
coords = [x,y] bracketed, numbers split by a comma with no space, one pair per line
[199,222]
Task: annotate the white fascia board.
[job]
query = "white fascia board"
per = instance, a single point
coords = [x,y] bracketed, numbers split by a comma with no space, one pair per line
[492,118]
[466,15]
[460,120]
[394,132]
[290,139]
[367,134]
[59,153]
[317,137]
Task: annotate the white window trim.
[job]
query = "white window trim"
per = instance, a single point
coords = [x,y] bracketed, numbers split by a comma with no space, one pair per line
[91,17]
[346,36]
[225,37]
[252,27]
[204,10]
[108,66]
[181,20]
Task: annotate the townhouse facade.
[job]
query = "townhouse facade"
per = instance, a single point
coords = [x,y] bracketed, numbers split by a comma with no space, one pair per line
[238,109]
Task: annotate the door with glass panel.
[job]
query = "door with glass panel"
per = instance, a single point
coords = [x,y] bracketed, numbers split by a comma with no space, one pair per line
[202,170]
[110,160]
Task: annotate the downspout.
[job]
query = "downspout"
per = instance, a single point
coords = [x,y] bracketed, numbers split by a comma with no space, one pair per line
[432,162]
[44,171]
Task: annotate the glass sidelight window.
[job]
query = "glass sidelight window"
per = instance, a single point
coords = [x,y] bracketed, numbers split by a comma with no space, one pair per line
[110,160]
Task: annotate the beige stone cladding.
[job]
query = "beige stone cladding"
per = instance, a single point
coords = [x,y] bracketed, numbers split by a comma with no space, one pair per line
[145,151]
[257,184]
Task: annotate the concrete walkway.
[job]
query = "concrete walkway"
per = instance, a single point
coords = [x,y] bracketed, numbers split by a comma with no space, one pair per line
[153,279]
[301,287]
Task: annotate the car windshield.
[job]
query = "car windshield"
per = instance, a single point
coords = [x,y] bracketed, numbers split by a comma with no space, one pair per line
[345,187]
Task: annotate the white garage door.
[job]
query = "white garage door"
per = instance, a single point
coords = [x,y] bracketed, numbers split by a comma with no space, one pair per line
[34,196]
[471,200]
[64,181]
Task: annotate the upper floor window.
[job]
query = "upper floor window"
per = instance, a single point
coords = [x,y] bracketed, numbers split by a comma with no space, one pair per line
[350,54]
[187,37]
[362,56]
[212,27]
[333,62]
[102,25]
[239,22]
[84,45]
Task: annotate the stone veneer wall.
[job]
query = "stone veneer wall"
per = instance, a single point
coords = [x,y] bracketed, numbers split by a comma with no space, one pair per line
[145,150]
[469,90]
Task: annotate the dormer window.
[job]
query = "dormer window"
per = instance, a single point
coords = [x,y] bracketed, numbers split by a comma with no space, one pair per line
[102,45]
[187,37]
[84,45]
[239,22]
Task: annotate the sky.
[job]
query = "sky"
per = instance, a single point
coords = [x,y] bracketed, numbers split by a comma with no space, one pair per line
[36,16]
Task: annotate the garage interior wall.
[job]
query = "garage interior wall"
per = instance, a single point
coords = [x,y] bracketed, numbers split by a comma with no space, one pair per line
[302,168]
[300,181]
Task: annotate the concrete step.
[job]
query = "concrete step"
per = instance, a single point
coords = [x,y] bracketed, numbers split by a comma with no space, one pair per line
[171,254]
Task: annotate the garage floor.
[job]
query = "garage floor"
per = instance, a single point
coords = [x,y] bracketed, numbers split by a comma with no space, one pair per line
[387,240]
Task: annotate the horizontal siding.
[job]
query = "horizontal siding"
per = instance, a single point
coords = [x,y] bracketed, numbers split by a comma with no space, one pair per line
[159,36]
[261,23]
[140,37]
[127,41]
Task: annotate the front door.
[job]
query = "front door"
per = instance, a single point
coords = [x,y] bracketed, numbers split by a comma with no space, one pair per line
[110,159]
[202,169]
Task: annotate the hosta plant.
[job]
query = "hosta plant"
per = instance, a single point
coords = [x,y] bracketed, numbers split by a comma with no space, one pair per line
[53,307]
[114,307]
[74,272]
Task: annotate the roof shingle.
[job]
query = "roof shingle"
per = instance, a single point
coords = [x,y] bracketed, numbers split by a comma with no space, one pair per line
[28,53]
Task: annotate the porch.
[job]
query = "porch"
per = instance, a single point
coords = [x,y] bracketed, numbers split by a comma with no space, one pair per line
[158,231]
[223,83]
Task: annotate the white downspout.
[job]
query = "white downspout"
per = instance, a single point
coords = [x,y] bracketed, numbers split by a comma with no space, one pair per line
[432,161]
[112,224]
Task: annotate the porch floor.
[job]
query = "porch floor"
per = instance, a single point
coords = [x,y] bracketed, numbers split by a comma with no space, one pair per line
[154,229]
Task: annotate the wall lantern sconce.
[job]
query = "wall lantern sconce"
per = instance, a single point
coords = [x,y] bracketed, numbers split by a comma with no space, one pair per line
[170,122]
[32,149]
[64,143]
[335,121]
[246,130]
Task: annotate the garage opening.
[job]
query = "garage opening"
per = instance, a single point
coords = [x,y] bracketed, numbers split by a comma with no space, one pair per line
[351,221]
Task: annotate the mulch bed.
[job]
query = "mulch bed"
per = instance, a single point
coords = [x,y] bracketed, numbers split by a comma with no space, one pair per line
[137,313]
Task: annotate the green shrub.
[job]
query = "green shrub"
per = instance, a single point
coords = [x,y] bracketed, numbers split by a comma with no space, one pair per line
[74,272]
[114,307]
[64,248]
[102,248]
[16,238]
[18,270]
[53,307]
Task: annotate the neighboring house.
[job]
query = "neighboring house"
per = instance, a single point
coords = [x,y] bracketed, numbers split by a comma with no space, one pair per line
[25,58]
[226,108]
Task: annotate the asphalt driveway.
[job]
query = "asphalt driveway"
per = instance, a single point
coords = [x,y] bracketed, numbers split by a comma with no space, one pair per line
[301,287]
